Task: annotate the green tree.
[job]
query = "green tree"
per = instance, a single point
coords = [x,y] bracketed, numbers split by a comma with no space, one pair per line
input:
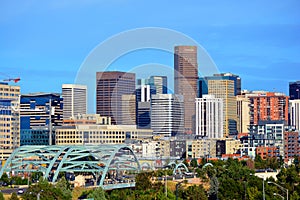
[186,163]
[97,194]
[45,190]
[64,186]
[294,196]
[5,178]
[195,192]
[214,187]
[143,181]
[14,196]
[1,196]
[253,193]
[194,163]
[259,163]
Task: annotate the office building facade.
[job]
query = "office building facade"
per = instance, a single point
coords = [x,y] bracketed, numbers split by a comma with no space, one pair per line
[75,100]
[39,109]
[224,88]
[185,81]
[294,90]
[160,83]
[209,117]
[111,86]
[99,134]
[167,114]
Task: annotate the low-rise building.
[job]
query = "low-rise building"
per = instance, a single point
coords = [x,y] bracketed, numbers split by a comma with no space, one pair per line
[99,134]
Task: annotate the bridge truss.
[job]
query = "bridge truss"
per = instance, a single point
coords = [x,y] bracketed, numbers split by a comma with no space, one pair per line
[103,162]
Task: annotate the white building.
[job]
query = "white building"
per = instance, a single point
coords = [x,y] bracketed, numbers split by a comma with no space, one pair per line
[75,100]
[209,117]
[167,115]
[295,113]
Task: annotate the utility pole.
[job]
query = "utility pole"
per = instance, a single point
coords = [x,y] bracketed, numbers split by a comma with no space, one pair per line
[166,191]
[50,122]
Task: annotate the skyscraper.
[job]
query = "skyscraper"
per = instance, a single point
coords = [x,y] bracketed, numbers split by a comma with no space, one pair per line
[224,88]
[110,88]
[237,81]
[209,117]
[167,114]
[9,119]
[160,83]
[294,90]
[185,81]
[75,100]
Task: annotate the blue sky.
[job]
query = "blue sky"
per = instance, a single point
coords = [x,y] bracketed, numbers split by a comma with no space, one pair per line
[45,42]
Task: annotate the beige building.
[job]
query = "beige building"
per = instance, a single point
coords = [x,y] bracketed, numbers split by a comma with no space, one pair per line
[203,148]
[99,134]
[225,89]
[243,113]
[128,109]
[87,119]
[232,145]
[9,119]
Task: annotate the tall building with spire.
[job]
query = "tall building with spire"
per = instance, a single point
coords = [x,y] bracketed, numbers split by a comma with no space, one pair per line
[185,81]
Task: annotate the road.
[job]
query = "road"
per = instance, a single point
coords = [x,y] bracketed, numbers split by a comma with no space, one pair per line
[12,190]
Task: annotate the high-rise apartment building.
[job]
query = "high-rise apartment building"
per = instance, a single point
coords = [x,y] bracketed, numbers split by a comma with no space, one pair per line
[111,86]
[167,114]
[224,88]
[185,81]
[209,117]
[268,106]
[75,100]
[295,113]
[294,90]
[9,119]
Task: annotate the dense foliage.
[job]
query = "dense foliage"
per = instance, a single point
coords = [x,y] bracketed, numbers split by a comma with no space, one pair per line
[228,179]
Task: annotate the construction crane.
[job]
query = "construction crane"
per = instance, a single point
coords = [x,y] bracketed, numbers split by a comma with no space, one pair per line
[9,79]
[12,79]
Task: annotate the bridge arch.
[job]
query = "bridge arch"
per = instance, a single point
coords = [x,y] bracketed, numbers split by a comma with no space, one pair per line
[51,160]
[207,164]
[176,166]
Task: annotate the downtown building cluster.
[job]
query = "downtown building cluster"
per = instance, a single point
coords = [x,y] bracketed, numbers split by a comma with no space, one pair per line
[205,117]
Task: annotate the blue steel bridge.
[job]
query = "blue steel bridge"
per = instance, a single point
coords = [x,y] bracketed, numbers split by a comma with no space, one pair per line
[111,166]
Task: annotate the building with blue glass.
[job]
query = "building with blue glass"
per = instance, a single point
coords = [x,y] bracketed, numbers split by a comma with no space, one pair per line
[37,110]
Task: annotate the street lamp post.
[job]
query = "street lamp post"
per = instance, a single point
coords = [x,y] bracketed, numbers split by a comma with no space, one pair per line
[263,179]
[275,194]
[282,188]
[177,186]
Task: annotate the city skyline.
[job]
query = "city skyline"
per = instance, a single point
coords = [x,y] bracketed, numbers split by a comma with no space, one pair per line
[47,49]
